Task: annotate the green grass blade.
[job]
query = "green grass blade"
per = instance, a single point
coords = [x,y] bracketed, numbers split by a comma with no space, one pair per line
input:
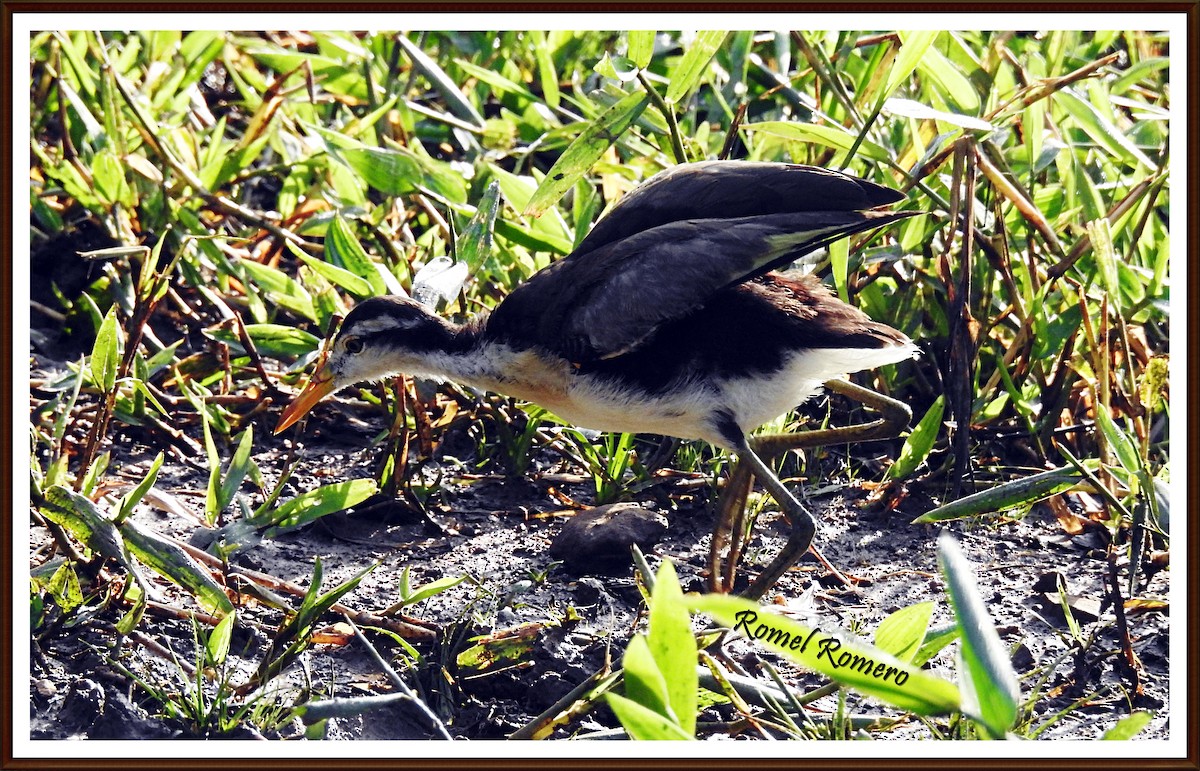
[990,690]
[919,443]
[134,496]
[829,136]
[1019,492]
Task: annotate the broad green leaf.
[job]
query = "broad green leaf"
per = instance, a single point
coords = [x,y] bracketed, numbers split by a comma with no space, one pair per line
[673,645]
[314,504]
[902,633]
[918,444]
[836,655]
[433,587]
[64,587]
[279,287]
[351,282]
[829,136]
[1006,496]
[839,266]
[1119,441]
[83,520]
[908,108]
[990,692]
[239,465]
[342,248]
[912,49]
[109,177]
[532,239]
[587,148]
[617,68]
[174,564]
[274,340]
[106,352]
[217,646]
[644,681]
[1128,726]
[337,77]
[693,64]
[951,81]
[498,647]
[474,245]
[642,723]
[641,46]
[388,171]
[545,233]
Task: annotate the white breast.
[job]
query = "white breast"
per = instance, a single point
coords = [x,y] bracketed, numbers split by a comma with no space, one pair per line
[688,412]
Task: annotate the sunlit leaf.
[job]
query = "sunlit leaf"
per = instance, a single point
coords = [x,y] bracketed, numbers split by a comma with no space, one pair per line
[582,153]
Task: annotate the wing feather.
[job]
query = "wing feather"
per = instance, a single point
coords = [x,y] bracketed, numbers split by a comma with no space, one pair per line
[651,266]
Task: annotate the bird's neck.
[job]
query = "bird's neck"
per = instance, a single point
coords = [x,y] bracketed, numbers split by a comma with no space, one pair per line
[475,359]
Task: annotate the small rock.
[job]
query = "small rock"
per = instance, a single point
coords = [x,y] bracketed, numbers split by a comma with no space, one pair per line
[599,540]
[82,706]
[590,591]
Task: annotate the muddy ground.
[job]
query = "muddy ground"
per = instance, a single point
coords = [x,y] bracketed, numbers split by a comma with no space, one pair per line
[497,529]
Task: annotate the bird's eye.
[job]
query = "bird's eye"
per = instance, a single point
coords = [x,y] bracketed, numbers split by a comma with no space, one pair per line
[354,345]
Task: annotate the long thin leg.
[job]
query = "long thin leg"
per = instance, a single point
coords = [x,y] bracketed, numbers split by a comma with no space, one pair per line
[752,459]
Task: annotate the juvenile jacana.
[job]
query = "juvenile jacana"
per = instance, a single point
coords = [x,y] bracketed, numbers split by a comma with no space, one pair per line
[668,319]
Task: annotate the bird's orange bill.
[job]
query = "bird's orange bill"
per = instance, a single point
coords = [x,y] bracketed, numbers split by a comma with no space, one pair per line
[320,386]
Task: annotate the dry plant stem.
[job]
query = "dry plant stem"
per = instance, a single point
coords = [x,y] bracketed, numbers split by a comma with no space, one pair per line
[252,351]
[404,628]
[220,203]
[961,356]
[668,115]
[1132,664]
[823,68]
[399,683]
[569,706]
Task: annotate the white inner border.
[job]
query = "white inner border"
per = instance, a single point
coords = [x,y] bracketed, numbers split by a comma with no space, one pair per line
[1181,47]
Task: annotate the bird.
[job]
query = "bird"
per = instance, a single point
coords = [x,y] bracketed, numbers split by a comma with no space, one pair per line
[671,317]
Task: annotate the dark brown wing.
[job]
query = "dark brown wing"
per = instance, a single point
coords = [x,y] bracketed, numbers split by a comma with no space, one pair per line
[608,300]
[731,189]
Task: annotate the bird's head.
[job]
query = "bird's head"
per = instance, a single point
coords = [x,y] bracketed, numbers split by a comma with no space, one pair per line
[380,337]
